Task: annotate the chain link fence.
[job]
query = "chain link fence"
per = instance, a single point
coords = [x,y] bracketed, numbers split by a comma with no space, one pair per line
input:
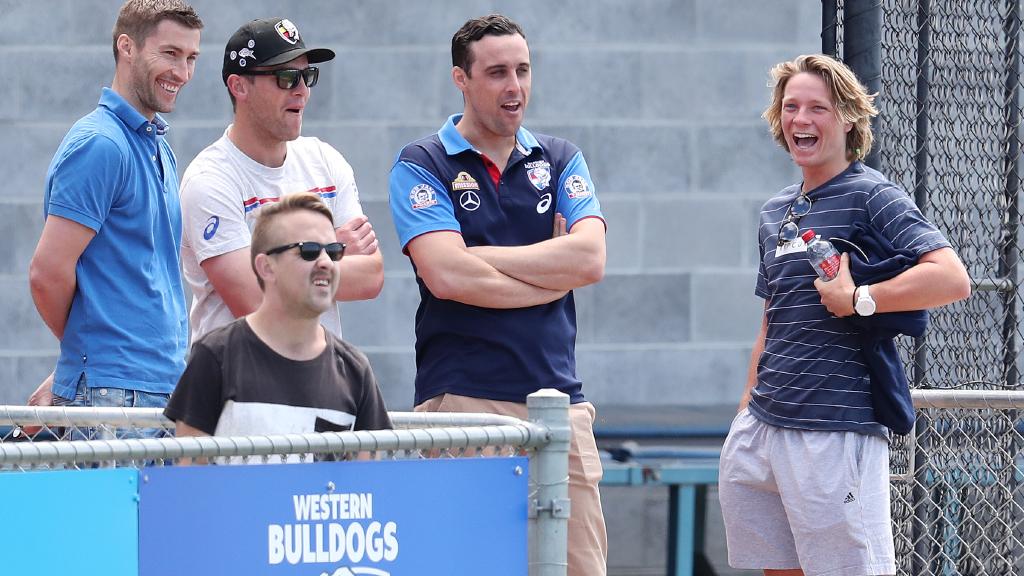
[949,133]
[957,497]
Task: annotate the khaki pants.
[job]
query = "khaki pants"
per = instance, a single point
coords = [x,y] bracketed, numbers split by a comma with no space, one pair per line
[588,539]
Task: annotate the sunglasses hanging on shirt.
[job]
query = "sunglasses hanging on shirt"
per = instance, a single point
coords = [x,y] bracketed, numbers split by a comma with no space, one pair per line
[790,228]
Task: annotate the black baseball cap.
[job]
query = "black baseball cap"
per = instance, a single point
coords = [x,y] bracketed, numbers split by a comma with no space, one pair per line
[267,42]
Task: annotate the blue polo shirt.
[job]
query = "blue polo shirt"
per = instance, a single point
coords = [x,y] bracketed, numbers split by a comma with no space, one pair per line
[127,328]
[813,374]
[442,183]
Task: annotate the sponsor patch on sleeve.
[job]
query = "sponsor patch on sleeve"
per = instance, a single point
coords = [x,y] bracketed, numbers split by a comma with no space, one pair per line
[422,196]
[211,227]
[577,187]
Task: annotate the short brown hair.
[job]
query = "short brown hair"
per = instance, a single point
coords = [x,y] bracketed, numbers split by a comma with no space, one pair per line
[475,29]
[263,238]
[851,99]
[137,18]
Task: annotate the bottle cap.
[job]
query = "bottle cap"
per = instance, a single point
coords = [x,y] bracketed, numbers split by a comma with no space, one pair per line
[807,236]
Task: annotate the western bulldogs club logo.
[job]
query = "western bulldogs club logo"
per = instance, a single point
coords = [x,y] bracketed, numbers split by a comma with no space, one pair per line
[539,174]
[287,31]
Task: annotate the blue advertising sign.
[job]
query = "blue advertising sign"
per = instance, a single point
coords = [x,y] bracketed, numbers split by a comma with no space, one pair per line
[464,516]
[70,522]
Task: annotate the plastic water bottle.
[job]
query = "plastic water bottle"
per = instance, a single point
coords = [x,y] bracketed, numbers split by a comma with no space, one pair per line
[822,255]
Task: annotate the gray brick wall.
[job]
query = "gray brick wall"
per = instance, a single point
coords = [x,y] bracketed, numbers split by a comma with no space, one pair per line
[663,96]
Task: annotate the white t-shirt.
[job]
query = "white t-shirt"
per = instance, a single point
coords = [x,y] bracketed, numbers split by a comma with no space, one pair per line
[221,194]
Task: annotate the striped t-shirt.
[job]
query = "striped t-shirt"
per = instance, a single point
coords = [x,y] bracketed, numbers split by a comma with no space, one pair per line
[812,374]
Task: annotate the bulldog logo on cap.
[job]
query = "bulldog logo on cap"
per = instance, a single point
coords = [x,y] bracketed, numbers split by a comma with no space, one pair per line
[267,42]
[287,30]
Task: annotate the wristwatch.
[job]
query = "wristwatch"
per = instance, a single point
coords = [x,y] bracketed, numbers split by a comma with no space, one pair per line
[863,303]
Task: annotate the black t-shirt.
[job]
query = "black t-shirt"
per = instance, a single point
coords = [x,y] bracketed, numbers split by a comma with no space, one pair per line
[234,384]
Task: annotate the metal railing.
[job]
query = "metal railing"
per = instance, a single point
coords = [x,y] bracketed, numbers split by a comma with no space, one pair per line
[118,437]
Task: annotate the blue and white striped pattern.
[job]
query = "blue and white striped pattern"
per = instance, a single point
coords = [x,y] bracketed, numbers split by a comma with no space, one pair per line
[812,374]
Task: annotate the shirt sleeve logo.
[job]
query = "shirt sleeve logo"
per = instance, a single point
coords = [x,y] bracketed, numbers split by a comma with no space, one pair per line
[422,196]
[211,227]
[577,187]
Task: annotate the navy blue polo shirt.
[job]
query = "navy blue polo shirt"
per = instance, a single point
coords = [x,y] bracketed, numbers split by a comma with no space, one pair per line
[441,183]
[813,374]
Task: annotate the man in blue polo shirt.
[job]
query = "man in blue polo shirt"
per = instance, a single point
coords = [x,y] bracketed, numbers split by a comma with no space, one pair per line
[105,275]
[501,225]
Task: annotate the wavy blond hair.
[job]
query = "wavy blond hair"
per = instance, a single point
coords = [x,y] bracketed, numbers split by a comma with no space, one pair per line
[852,102]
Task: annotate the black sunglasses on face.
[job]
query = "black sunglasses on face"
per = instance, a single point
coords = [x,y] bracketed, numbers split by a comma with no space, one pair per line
[310,251]
[798,209]
[288,78]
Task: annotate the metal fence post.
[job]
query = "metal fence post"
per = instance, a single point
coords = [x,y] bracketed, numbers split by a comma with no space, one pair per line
[829,26]
[549,484]
[862,52]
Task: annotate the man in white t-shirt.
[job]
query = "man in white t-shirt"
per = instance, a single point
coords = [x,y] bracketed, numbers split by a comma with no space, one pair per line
[260,158]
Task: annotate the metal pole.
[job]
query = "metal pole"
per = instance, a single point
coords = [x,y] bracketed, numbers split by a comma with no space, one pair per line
[921,153]
[1009,254]
[549,484]
[829,24]
[919,493]
[862,52]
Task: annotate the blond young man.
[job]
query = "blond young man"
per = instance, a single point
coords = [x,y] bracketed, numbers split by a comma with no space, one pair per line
[804,481]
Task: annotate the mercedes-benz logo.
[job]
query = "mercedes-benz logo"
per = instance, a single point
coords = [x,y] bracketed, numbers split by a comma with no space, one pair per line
[469,200]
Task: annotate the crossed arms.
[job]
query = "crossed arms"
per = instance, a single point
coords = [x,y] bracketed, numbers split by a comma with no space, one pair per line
[511,276]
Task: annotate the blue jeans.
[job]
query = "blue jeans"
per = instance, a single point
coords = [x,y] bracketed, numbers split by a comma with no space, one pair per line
[112,398]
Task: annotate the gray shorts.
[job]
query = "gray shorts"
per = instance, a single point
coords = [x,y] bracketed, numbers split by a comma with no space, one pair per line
[806,499]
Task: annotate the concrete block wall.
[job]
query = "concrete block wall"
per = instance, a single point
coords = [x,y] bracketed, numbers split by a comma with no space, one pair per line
[663,96]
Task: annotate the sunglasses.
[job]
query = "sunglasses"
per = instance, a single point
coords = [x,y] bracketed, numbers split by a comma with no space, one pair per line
[288,78]
[798,209]
[310,251]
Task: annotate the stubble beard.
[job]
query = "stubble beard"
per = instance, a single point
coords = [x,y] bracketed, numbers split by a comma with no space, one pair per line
[146,91]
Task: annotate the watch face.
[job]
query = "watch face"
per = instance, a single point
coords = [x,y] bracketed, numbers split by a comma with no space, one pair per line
[865,306]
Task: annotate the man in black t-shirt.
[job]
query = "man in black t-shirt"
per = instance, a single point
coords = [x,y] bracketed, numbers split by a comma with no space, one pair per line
[277,370]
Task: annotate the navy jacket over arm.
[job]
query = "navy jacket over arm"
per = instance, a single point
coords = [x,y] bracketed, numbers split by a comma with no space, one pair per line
[873,259]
